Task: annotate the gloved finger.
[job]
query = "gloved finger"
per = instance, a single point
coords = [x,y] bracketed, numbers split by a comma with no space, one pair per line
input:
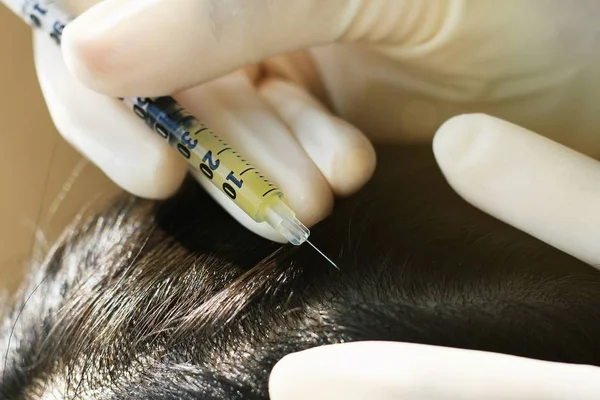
[104,131]
[525,180]
[148,48]
[344,155]
[232,107]
[396,371]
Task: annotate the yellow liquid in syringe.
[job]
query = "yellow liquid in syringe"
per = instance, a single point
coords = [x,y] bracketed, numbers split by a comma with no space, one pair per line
[260,199]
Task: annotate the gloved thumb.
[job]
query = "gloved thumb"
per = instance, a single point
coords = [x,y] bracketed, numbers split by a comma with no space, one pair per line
[394,371]
[157,47]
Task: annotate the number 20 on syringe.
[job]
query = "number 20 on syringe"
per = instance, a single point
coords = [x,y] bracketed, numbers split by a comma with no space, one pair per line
[207,152]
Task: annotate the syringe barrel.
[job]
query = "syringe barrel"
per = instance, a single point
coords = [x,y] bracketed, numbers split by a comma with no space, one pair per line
[205,151]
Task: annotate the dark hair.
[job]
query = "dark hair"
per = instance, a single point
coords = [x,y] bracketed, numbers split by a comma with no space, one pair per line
[175,300]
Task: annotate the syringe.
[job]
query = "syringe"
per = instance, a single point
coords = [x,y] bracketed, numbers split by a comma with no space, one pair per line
[201,147]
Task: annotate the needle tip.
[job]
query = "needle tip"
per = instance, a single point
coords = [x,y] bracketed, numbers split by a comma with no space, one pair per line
[324,256]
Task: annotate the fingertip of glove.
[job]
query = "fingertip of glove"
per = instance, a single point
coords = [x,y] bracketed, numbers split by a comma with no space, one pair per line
[455,138]
[353,168]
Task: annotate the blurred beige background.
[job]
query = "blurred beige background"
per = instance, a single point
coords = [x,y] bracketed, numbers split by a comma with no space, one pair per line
[44,182]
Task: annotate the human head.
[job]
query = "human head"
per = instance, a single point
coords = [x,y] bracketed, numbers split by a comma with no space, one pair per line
[174,299]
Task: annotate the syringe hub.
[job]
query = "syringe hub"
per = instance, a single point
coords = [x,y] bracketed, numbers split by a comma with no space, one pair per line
[281,218]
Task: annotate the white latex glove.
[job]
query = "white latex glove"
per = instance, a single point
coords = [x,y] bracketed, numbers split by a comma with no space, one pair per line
[524,179]
[399,371]
[395,68]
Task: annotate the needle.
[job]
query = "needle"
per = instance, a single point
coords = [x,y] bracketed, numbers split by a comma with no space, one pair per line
[321,253]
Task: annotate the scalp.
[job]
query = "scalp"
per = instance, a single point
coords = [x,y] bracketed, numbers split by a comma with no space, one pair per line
[147,300]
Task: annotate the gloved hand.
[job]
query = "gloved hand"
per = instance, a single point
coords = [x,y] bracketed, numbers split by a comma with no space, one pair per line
[524,179]
[384,66]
